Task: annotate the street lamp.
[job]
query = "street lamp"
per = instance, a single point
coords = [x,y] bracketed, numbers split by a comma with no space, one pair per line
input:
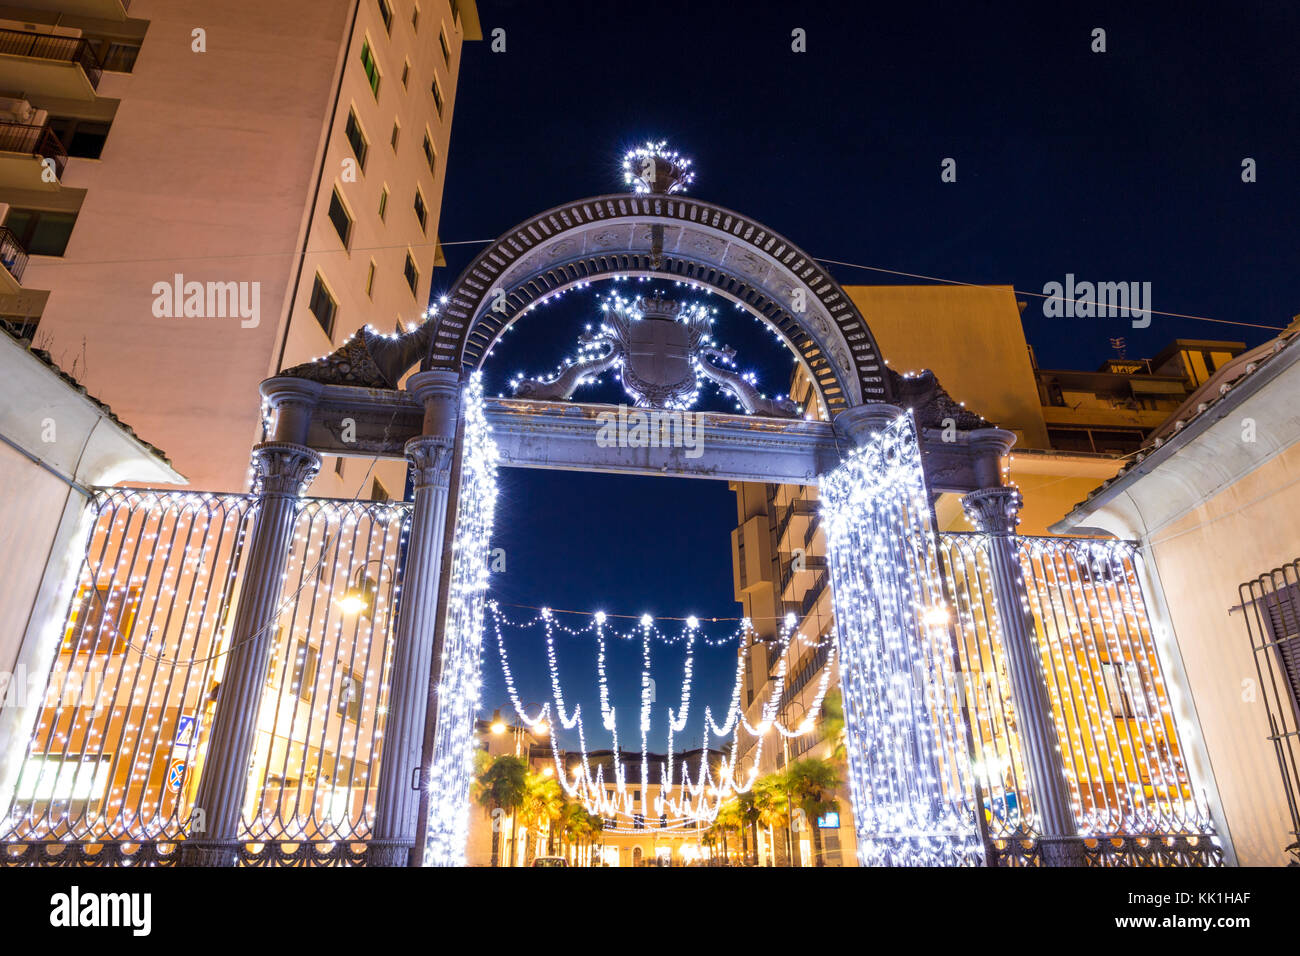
[362,589]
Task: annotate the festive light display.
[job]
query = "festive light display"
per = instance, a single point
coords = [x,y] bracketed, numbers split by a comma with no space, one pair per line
[690,795]
[656,168]
[909,773]
[458,683]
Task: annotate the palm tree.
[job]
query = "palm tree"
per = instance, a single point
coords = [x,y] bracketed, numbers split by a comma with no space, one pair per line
[595,825]
[500,784]
[574,825]
[771,805]
[749,823]
[834,727]
[542,804]
[811,784]
[729,819]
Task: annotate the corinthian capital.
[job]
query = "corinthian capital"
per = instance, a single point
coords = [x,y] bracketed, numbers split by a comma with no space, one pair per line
[431,457]
[993,510]
[283,468]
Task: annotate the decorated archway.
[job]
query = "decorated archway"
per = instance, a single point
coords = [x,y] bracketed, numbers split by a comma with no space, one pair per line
[913,610]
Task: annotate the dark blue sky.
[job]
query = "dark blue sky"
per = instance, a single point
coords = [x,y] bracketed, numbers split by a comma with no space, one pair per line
[1117,166]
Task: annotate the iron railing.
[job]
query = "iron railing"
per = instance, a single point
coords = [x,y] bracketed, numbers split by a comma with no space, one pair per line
[46,46]
[1271,606]
[40,141]
[12,254]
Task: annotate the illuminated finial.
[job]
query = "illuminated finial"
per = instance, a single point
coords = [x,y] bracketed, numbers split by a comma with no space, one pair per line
[654,168]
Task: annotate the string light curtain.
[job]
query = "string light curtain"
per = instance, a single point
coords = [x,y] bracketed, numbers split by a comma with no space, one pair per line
[909,772]
[459,680]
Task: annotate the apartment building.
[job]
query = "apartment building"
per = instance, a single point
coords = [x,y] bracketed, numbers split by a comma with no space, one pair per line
[1072,428]
[194,195]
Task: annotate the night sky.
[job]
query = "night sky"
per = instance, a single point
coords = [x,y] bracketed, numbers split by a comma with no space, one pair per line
[1122,166]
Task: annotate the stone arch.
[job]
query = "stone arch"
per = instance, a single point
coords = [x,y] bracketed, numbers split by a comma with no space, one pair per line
[671,237]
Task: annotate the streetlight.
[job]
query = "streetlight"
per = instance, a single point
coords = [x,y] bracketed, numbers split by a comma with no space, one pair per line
[362,589]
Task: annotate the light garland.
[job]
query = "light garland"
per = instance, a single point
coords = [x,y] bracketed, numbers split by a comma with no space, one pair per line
[458,683]
[909,774]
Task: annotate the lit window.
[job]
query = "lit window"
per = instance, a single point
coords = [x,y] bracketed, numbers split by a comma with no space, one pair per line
[371,67]
[79,780]
[323,306]
[340,217]
[411,272]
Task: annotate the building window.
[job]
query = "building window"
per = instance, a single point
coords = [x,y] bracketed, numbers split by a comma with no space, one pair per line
[338,467]
[446,50]
[421,211]
[102,621]
[357,139]
[397,129]
[1278,616]
[411,272]
[415,19]
[437,95]
[349,700]
[81,138]
[1116,678]
[386,12]
[40,232]
[370,66]
[323,306]
[406,73]
[383,204]
[370,281]
[430,154]
[378,492]
[340,217]
[304,671]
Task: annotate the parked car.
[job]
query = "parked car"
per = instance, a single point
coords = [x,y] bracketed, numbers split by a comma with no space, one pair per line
[550,861]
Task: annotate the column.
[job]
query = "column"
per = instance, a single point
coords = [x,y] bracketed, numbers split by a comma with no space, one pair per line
[994,510]
[283,470]
[414,667]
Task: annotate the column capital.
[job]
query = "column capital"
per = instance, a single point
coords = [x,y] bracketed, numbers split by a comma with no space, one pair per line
[431,457]
[283,468]
[993,510]
[861,422]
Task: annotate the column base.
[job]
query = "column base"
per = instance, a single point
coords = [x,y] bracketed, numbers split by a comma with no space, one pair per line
[198,854]
[1062,851]
[388,854]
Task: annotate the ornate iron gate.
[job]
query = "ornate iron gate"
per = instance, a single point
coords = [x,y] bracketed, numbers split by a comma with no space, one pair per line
[119,730]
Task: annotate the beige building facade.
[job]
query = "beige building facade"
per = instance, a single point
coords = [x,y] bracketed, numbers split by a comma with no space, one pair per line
[242,187]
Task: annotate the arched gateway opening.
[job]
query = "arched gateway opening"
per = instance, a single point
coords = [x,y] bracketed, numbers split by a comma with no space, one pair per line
[980,672]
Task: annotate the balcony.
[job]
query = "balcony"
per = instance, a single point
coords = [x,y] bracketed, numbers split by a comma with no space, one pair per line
[62,66]
[14,259]
[24,150]
[114,10]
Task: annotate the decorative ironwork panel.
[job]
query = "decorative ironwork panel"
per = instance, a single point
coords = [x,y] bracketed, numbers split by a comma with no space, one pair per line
[119,731]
